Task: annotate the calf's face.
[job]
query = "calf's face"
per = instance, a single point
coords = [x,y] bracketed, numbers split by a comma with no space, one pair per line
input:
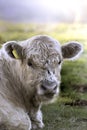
[42,57]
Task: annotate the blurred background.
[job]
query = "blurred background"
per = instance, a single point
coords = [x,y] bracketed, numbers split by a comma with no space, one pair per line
[64,20]
[44,11]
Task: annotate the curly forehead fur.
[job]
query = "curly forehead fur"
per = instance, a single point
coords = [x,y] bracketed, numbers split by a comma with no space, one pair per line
[42,48]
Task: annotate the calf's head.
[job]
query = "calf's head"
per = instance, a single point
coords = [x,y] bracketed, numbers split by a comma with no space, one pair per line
[42,57]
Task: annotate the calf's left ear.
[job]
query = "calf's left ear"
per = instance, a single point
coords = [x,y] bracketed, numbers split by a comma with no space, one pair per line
[71,50]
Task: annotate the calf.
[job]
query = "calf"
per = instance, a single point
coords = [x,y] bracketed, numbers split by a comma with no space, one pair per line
[29,77]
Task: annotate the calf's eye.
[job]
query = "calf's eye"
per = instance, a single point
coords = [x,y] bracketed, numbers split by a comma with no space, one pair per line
[30,63]
[59,62]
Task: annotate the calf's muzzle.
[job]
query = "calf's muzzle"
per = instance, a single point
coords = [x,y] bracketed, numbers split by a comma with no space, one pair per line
[49,86]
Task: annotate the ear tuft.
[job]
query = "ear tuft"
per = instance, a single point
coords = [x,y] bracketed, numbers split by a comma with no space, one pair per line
[72,50]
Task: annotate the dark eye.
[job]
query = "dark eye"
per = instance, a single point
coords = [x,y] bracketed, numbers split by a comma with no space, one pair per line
[47,61]
[30,63]
[59,62]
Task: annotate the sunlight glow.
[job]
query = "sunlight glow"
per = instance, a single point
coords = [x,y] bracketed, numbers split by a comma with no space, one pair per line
[54,9]
[54,5]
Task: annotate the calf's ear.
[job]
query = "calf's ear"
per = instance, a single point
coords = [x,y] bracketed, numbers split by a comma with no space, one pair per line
[72,50]
[14,50]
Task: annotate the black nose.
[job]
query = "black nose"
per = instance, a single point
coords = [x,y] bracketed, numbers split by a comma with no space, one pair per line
[49,86]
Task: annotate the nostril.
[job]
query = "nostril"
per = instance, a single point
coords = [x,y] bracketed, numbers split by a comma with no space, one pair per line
[43,87]
[48,71]
[55,87]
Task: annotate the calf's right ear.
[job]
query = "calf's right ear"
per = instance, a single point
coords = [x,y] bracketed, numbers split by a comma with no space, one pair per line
[14,50]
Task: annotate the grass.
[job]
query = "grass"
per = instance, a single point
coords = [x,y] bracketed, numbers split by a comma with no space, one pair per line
[60,117]
[57,116]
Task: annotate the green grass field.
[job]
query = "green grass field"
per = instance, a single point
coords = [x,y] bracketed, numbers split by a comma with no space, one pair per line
[57,116]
